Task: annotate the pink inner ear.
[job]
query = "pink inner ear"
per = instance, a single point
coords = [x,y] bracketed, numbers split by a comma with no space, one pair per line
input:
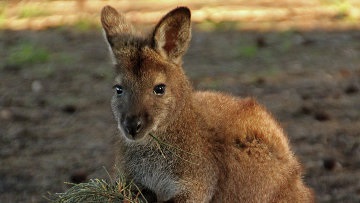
[171,37]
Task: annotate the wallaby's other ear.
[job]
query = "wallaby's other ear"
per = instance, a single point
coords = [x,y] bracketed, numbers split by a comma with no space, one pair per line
[114,24]
[172,34]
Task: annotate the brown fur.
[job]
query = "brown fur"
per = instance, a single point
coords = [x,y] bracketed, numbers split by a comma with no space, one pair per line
[223,148]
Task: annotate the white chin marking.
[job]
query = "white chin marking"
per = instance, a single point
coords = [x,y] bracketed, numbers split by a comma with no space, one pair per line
[122,132]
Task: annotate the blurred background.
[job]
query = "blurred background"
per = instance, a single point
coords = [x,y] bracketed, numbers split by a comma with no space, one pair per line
[301,59]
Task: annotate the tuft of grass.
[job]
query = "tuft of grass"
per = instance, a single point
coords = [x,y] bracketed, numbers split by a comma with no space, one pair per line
[119,191]
[99,190]
[27,54]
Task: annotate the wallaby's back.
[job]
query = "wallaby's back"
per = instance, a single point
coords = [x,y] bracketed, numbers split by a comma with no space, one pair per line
[187,146]
[256,164]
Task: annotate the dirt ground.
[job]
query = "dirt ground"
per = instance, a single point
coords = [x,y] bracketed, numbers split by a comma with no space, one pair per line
[55,87]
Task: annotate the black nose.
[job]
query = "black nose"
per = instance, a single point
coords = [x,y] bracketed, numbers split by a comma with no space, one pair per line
[132,125]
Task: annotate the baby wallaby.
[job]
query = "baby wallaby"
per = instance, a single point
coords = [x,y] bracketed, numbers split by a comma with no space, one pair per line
[190,146]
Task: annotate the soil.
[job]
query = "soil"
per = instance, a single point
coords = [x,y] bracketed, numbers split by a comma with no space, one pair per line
[56,124]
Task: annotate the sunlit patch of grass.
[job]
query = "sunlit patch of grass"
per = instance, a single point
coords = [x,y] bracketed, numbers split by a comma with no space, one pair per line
[333,2]
[32,11]
[85,25]
[2,20]
[343,10]
[2,13]
[342,7]
[227,25]
[27,54]
[209,25]
[3,6]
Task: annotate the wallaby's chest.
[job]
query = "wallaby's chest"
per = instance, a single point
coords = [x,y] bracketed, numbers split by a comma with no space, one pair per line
[153,169]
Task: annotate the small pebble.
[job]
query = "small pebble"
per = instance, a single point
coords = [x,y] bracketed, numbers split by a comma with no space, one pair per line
[70,109]
[41,102]
[322,116]
[6,114]
[351,89]
[260,81]
[306,109]
[330,164]
[305,97]
[78,177]
[261,42]
[36,86]
[12,67]
[345,73]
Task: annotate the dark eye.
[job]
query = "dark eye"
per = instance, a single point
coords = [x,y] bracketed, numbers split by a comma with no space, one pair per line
[118,89]
[159,89]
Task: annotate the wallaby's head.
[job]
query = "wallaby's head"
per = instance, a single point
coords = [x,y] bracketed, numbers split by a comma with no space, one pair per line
[150,88]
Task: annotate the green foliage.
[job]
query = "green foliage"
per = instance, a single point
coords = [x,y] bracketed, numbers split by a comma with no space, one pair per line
[248,51]
[210,25]
[207,25]
[45,71]
[333,2]
[342,6]
[27,54]
[287,40]
[99,191]
[84,25]
[32,11]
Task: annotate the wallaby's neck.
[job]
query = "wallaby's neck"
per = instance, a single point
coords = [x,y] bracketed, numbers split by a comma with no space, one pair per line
[182,118]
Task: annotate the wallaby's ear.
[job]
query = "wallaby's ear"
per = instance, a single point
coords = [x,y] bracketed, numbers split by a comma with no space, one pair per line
[114,24]
[172,34]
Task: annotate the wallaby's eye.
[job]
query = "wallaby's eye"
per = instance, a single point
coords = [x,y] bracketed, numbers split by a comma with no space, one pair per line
[118,89]
[159,89]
